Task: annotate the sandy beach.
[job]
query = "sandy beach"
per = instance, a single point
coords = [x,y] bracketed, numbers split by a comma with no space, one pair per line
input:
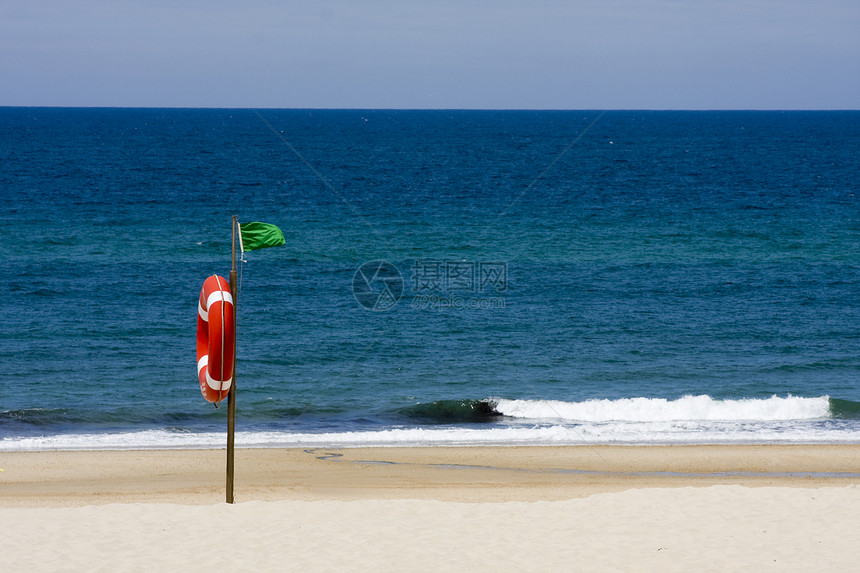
[667,508]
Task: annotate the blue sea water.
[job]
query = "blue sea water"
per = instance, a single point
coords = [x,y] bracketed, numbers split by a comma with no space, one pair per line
[449,277]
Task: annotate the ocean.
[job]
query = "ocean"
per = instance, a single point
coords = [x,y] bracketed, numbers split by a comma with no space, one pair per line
[449,277]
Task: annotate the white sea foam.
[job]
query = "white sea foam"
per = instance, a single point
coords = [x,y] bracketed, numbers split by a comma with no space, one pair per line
[678,432]
[662,410]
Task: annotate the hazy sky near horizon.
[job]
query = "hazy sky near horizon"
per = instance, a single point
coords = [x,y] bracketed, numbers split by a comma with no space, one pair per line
[493,54]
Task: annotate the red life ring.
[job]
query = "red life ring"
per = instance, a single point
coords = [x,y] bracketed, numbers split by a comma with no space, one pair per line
[216,335]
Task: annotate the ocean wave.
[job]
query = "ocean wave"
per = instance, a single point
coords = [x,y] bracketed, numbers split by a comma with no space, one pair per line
[499,422]
[844,409]
[49,419]
[452,411]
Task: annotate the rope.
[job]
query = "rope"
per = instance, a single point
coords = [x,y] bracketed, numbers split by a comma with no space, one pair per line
[241,274]
[241,270]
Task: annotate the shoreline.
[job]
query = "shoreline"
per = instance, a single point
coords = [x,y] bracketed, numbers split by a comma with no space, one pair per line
[476,474]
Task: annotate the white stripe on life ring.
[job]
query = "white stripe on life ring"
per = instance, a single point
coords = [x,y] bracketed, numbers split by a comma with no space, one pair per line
[216,296]
[218,385]
[214,384]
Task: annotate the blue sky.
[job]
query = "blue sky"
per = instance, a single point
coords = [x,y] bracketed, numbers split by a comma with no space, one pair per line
[502,54]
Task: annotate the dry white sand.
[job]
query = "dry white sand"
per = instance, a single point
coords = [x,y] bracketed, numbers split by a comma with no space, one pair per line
[716,528]
[529,510]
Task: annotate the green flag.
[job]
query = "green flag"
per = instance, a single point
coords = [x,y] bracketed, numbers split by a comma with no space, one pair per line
[254,236]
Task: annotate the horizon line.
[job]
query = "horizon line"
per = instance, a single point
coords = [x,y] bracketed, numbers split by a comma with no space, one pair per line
[440,109]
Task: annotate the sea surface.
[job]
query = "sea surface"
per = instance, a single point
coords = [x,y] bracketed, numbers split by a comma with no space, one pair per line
[449,277]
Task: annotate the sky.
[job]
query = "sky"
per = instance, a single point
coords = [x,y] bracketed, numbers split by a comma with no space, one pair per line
[447,54]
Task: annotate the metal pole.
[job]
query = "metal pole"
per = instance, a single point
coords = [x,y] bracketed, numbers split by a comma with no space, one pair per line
[231,396]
